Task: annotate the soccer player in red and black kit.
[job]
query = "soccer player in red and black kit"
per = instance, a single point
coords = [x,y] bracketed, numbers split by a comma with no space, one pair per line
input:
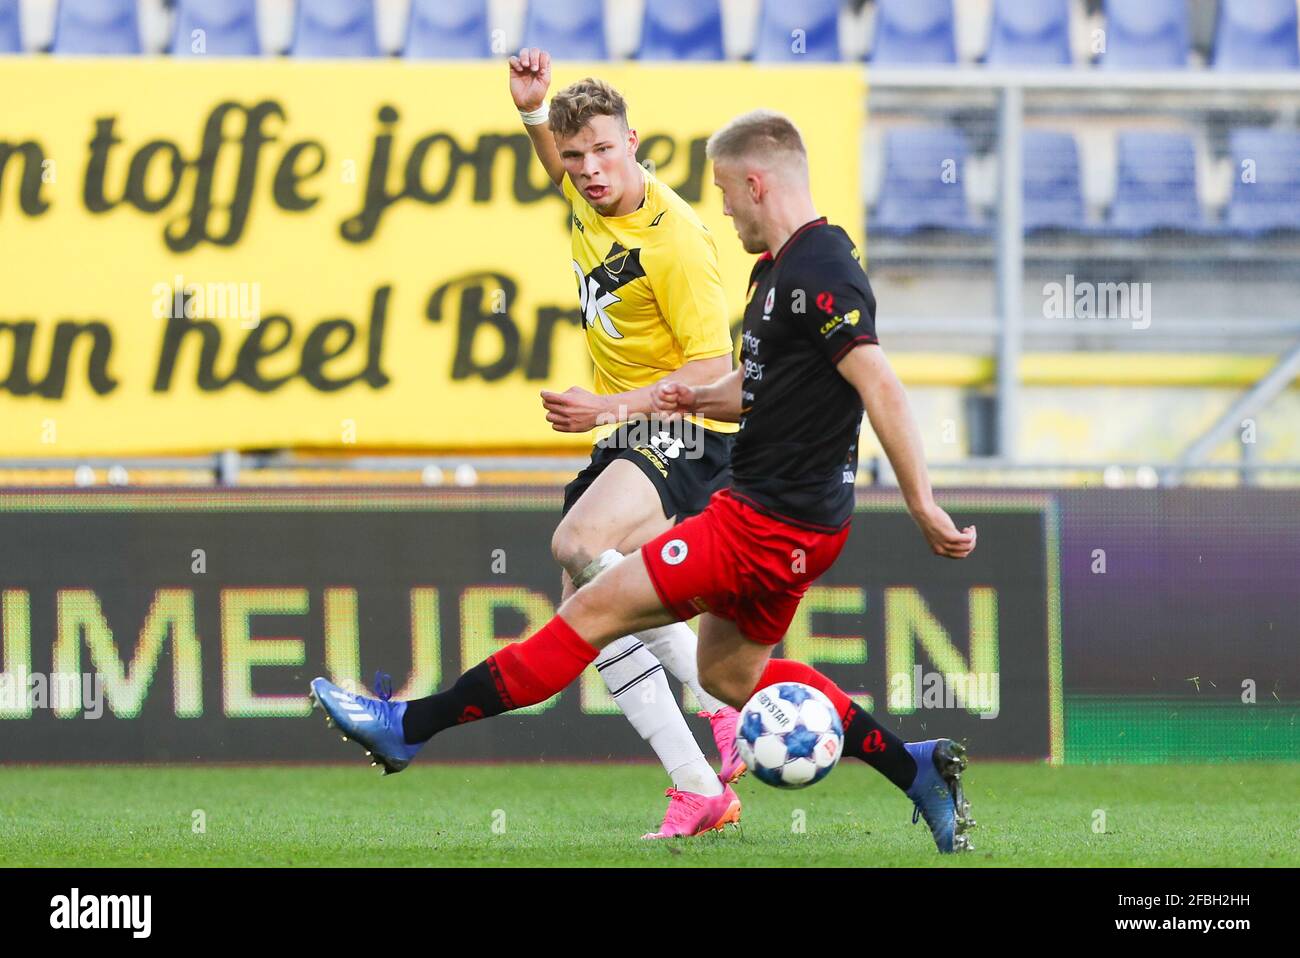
[811,364]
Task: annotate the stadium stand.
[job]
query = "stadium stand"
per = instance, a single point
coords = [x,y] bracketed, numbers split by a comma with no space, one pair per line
[1156,184]
[777,42]
[923,185]
[447,30]
[914,33]
[1154,34]
[1256,35]
[682,30]
[569,29]
[335,28]
[1053,187]
[1101,182]
[1269,199]
[224,27]
[1031,33]
[101,27]
[11,38]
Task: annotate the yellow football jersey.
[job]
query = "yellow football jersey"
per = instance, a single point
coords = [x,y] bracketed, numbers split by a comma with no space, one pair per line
[650,290]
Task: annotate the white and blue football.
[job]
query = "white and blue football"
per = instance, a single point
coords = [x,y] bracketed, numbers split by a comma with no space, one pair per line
[789,735]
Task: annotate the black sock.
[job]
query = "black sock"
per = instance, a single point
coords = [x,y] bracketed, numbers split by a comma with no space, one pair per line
[477,694]
[867,739]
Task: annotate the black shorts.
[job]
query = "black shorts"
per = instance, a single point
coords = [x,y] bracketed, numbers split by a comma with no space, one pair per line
[686,462]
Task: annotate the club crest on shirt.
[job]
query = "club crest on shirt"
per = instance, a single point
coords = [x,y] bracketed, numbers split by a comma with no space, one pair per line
[674,552]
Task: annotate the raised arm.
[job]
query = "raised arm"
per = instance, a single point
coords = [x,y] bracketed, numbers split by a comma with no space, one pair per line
[530,77]
[869,372]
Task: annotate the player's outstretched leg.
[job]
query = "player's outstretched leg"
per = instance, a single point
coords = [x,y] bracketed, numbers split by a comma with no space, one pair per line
[521,674]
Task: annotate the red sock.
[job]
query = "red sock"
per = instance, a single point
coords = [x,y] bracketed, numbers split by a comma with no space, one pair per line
[535,669]
[788,670]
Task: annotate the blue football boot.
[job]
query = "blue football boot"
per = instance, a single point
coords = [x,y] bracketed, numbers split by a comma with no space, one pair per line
[937,793]
[373,723]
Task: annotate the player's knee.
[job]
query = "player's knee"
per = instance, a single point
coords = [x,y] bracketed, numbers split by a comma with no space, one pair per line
[570,549]
[587,611]
[724,684]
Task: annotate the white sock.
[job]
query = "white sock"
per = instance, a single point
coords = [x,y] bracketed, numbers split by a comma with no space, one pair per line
[636,680]
[674,646]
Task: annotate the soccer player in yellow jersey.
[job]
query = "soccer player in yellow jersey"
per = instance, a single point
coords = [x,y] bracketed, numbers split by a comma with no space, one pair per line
[646,271]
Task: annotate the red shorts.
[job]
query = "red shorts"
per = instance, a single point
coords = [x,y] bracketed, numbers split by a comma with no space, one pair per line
[740,564]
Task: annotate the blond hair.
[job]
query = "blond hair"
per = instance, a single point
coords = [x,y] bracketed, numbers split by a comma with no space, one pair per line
[574,106]
[759,133]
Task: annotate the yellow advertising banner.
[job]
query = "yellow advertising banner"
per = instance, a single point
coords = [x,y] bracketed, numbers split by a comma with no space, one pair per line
[251,254]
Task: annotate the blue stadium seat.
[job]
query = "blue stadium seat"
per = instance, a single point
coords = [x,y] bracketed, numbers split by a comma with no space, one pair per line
[1150,34]
[1256,35]
[682,30]
[229,28]
[11,37]
[1029,33]
[818,19]
[1156,187]
[448,30]
[335,28]
[1053,188]
[96,26]
[1272,201]
[567,29]
[914,32]
[924,183]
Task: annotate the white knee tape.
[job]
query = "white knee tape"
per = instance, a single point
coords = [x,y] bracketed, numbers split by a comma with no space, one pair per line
[610,557]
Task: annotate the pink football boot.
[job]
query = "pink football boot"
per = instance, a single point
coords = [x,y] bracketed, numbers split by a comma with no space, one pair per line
[691,814]
[724,734]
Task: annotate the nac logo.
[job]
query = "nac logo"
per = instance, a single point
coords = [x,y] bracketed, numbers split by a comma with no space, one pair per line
[673,552]
[594,301]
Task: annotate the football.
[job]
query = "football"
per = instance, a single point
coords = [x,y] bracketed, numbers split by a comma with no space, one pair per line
[789,735]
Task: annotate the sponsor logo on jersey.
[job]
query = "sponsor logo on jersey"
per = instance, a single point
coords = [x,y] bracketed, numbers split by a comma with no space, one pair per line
[769,303]
[848,319]
[653,457]
[596,290]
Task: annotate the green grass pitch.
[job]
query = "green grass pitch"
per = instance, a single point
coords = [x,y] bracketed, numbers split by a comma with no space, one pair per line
[593,815]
